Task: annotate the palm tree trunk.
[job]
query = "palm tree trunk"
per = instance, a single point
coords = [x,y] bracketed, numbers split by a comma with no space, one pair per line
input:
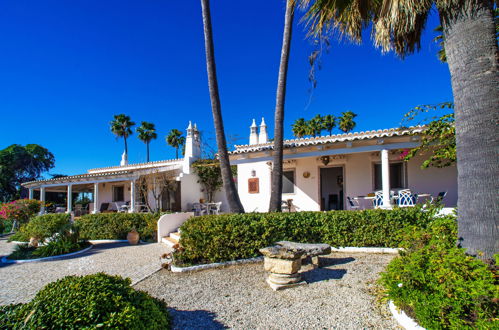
[147,147]
[126,147]
[276,177]
[233,200]
[473,58]
[176,152]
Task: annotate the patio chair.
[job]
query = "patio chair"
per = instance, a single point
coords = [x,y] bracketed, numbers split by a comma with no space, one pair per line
[440,197]
[214,208]
[78,210]
[199,209]
[378,199]
[121,207]
[406,198]
[103,207]
[353,204]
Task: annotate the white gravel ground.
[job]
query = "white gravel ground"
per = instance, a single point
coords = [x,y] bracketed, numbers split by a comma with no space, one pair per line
[20,282]
[337,296]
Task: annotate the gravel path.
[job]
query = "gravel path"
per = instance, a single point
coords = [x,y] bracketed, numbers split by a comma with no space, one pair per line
[20,282]
[337,296]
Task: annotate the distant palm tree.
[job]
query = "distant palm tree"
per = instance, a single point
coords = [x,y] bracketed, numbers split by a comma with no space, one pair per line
[176,140]
[147,132]
[300,128]
[315,126]
[277,166]
[235,205]
[329,122]
[346,122]
[121,126]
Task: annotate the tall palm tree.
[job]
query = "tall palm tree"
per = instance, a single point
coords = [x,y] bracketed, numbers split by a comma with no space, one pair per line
[277,171]
[329,122]
[315,126]
[472,53]
[147,132]
[175,140]
[233,200]
[121,126]
[346,122]
[300,128]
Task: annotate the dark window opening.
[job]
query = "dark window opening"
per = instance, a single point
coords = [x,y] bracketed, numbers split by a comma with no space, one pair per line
[396,176]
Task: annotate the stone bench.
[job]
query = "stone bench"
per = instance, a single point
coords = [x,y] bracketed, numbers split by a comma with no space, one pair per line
[284,261]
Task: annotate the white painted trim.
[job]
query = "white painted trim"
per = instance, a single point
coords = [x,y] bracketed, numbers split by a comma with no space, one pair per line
[329,152]
[176,269]
[405,321]
[8,261]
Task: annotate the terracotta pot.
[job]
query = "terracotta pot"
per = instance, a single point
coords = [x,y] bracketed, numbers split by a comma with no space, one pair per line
[201,200]
[133,237]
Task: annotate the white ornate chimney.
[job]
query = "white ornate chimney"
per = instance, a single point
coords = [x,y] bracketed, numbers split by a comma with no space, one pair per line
[253,133]
[124,159]
[263,137]
[192,147]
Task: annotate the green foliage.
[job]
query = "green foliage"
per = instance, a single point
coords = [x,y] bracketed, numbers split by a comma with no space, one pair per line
[22,252]
[88,302]
[175,140]
[44,226]
[146,132]
[216,238]
[19,211]
[210,176]
[439,138]
[346,122]
[317,124]
[117,225]
[19,164]
[438,284]
[300,128]
[19,236]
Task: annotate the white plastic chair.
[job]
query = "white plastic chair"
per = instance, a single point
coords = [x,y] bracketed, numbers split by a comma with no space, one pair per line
[378,199]
[406,198]
[214,208]
[354,204]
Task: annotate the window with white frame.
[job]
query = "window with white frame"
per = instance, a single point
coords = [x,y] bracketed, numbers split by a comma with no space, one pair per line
[118,193]
[397,176]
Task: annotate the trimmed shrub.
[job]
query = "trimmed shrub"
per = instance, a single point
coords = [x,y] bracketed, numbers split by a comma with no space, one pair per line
[117,225]
[438,284]
[44,226]
[92,301]
[216,238]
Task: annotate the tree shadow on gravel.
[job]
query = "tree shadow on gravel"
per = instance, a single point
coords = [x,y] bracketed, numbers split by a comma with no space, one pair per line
[323,274]
[326,262]
[199,319]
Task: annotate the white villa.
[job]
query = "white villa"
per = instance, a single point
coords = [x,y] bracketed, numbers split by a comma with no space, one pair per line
[321,173]
[158,185]
[324,173]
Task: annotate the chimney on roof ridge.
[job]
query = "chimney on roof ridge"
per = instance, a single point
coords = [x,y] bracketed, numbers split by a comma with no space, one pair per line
[263,137]
[253,133]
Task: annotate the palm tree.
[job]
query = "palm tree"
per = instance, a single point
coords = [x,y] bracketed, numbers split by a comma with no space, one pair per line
[175,140]
[147,132]
[472,53]
[329,122]
[346,122]
[276,177]
[121,126]
[233,200]
[315,125]
[300,128]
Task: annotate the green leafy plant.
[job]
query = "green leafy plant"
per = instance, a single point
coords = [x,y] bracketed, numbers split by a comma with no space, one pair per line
[216,238]
[44,226]
[438,284]
[210,176]
[64,242]
[117,225]
[88,302]
[20,211]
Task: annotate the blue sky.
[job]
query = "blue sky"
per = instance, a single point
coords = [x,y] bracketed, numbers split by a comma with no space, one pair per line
[67,66]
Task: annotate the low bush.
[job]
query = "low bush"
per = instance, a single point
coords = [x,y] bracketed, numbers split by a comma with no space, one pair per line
[41,227]
[19,211]
[216,238]
[438,284]
[89,302]
[117,225]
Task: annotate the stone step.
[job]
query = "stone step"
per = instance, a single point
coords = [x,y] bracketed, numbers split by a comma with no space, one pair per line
[171,242]
[175,236]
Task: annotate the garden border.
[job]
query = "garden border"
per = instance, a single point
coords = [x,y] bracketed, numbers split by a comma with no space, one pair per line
[403,319]
[176,269]
[22,261]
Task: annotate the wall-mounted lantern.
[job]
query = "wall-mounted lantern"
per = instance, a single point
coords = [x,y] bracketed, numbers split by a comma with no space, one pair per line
[325,160]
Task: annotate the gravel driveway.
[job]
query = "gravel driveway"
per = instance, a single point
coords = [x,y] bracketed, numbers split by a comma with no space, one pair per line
[337,296]
[20,282]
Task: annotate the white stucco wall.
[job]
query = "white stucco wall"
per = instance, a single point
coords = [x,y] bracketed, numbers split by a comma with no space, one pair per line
[358,180]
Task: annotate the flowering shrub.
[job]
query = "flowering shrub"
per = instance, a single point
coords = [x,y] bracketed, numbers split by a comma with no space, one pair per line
[19,211]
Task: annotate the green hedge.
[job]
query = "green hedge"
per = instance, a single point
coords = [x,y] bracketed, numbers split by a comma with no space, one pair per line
[117,225]
[87,302]
[41,227]
[217,238]
[438,284]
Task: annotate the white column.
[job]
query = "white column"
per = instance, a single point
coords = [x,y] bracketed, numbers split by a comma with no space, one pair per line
[132,196]
[385,178]
[69,199]
[96,198]
[30,193]
[42,199]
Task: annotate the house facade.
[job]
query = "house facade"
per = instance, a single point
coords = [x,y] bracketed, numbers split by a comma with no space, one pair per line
[321,173]
[153,186]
